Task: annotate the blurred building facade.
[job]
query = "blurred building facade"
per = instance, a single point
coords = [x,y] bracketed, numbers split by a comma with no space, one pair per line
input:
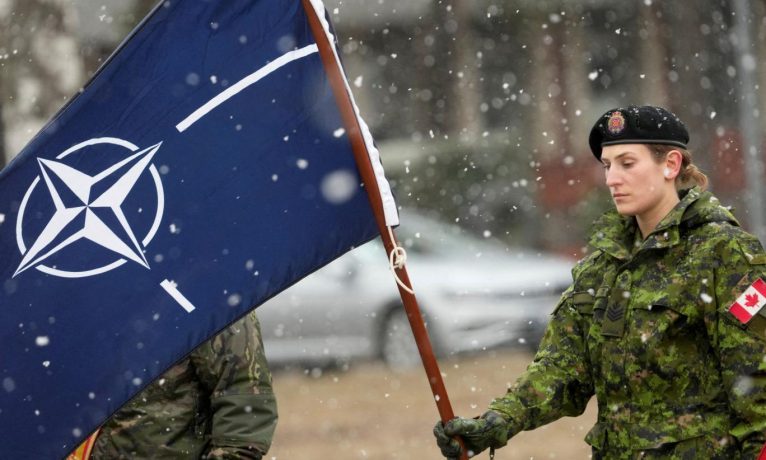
[481,109]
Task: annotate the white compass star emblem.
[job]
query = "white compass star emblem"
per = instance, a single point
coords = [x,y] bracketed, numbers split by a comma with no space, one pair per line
[83,206]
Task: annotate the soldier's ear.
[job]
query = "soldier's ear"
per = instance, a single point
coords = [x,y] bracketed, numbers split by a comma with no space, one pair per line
[673,161]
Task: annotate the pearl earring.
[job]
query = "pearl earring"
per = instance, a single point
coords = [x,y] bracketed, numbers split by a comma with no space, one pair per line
[667,172]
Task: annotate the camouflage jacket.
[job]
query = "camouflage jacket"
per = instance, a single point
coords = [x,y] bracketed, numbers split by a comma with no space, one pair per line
[645,327]
[216,403]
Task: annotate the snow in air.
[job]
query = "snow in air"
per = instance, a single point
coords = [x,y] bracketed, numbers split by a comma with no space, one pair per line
[338,187]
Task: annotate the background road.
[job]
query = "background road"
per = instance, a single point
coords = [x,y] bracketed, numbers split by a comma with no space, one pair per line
[371,412]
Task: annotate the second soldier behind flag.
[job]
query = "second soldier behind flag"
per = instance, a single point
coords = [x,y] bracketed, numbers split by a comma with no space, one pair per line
[217,403]
[662,323]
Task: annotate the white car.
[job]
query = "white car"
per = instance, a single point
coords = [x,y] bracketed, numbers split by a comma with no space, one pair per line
[475,293]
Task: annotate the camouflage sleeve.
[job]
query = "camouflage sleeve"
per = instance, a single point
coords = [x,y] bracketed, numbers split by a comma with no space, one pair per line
[558,382]
[741,348]
[234,369]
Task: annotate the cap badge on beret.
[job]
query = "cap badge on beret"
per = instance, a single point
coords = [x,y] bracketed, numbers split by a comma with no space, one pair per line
[616,123]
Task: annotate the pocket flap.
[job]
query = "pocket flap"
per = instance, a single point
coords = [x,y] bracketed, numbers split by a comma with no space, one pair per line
[658,303]
[583,301]
[582,297]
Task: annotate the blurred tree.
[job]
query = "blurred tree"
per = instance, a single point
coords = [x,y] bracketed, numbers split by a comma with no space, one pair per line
[464,64]
[39,65]
[109,22]
[140,9]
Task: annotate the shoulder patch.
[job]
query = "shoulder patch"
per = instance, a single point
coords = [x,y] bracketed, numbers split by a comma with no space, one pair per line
[750,302]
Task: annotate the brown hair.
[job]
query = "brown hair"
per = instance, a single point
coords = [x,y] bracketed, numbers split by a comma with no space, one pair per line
[689,175]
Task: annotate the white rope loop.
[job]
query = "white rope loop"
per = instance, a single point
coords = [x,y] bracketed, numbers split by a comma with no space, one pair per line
[398,257]
[396,260]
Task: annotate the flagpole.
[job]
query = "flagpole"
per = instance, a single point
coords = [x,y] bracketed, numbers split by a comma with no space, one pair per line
[361,155]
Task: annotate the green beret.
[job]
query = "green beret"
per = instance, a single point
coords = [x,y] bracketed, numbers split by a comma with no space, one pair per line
[637,125]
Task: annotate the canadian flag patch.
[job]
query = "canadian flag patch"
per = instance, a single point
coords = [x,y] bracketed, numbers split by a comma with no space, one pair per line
[750,302]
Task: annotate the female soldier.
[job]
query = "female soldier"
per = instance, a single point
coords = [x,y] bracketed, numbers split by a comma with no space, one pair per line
[662,322]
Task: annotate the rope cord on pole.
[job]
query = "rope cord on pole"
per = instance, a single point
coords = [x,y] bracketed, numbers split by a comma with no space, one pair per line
[396,260]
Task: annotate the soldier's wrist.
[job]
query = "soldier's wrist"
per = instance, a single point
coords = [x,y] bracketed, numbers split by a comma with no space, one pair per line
[512,426]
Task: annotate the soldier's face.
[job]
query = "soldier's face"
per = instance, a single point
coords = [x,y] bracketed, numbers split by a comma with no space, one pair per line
[636,181]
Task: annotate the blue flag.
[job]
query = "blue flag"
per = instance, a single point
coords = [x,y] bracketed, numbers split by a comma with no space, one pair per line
[204,169]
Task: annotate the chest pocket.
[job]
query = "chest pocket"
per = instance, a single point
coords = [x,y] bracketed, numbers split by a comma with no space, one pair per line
[657,319]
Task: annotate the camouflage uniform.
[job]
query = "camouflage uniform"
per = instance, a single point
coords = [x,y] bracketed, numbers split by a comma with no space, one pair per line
[217,403]
[645,327]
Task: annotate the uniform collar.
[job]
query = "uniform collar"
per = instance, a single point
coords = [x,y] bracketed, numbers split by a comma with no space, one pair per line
[614,234]
[667,233]
[617,235]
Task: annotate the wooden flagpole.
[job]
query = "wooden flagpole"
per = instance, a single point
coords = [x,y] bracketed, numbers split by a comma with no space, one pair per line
[351,123]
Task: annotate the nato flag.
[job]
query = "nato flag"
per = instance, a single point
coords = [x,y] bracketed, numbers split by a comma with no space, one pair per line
[204,169]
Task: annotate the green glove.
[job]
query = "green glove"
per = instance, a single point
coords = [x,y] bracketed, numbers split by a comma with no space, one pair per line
[489,430]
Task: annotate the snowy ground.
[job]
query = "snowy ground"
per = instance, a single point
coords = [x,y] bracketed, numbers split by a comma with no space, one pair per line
[370,412]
